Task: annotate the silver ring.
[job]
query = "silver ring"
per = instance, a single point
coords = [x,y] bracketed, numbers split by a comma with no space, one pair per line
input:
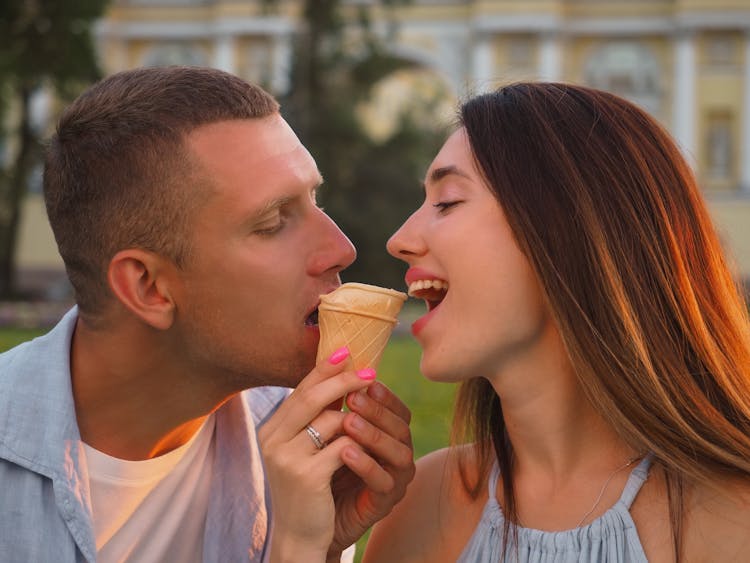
[315,436]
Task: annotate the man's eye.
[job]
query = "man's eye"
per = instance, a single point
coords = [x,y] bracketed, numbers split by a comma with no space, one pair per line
[445,205]
[268,231]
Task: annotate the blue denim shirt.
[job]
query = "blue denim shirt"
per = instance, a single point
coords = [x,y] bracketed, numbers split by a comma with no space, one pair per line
[45,505]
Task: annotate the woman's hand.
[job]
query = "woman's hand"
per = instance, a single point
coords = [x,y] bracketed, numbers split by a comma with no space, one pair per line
[316,515]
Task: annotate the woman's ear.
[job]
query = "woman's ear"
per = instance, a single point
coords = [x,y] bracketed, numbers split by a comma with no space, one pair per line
[138,278]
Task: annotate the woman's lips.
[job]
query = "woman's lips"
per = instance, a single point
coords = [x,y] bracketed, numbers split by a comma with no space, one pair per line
[418,325]
[422,321]
[430,288]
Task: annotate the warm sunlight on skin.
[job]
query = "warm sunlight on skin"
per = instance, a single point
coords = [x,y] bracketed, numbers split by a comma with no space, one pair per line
[262,230]
[263,253]
[460,236]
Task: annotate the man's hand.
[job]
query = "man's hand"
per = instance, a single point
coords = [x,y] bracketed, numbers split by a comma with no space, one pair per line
[378,467]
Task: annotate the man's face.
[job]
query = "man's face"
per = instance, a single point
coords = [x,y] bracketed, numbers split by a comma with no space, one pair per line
[262,253]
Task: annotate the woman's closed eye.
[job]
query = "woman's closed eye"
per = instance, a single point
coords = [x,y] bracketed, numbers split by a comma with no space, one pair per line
[445,205]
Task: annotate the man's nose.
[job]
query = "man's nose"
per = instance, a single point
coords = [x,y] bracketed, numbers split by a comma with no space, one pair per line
[335,252]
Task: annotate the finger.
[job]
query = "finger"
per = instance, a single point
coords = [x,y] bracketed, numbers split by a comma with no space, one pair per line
[308,472]
[390,400]
[328,424]
[321,467]
[303,405]
[300,460]
[380,416]
[337,362]
[373,475]
[389,450]
[325,369]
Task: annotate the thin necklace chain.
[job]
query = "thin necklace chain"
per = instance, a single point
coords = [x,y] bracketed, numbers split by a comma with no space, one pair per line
[627,464]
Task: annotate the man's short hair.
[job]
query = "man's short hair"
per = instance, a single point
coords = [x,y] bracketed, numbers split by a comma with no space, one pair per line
[117,173]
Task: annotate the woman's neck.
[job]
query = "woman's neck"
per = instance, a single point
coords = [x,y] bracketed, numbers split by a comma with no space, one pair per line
[552,425]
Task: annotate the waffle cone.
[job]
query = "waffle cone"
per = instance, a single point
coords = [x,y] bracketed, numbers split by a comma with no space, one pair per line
[361,317]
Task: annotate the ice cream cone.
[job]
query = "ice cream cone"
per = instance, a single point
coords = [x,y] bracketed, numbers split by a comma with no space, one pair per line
[361,317]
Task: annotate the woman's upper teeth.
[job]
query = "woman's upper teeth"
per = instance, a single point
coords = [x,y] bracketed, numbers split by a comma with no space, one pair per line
[420,285]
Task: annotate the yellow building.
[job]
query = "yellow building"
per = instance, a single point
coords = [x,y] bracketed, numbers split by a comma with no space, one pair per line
[685,61]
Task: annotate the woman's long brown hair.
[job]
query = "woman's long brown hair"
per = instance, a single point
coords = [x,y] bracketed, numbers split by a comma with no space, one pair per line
[609,214]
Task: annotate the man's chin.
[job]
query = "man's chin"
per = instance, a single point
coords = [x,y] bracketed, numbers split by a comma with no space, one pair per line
[297,372]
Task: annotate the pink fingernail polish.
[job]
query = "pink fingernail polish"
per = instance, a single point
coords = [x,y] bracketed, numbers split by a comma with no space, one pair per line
[339,355]
[367,374]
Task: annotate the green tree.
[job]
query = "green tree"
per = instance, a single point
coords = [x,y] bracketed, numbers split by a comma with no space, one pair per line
[370,185]
[43,44]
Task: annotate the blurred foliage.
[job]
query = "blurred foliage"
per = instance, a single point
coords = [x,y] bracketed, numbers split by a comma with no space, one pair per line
[43,44]
[371,186]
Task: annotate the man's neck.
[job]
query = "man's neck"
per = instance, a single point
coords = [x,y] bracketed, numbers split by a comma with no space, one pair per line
[132,401]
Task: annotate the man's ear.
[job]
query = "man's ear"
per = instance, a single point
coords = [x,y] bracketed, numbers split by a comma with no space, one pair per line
[139,279]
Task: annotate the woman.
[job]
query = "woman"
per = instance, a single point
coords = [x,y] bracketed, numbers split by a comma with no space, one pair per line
[577,290]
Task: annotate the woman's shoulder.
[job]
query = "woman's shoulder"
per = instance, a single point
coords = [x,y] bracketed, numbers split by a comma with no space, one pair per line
[436,516]
[718,523]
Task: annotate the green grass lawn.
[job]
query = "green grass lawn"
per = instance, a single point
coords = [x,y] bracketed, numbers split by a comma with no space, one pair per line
[9,337]
[430,403]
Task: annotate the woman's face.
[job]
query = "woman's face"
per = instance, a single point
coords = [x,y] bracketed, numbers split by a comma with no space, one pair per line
[485,305]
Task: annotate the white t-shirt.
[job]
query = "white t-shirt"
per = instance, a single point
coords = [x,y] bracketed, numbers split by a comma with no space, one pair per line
[152,510]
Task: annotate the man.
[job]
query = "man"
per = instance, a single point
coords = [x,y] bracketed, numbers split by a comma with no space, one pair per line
[184,208]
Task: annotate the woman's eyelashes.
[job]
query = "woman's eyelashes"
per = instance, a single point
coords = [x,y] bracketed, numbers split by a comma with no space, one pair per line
[443,206]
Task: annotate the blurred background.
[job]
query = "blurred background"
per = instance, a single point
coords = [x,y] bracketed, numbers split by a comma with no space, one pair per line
[371,87]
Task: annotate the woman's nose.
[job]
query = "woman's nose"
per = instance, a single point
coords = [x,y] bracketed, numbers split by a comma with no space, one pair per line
[407,240]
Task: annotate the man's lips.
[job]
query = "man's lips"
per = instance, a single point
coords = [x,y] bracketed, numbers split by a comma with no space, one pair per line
[312,317]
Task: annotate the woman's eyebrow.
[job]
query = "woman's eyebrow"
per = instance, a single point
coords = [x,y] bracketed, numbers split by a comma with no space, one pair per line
[439,173]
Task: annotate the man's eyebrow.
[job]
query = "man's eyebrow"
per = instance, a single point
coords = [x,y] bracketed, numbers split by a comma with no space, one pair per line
[269,206]
[278,202]
[439,173]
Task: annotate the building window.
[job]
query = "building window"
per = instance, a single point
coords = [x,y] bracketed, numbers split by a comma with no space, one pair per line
[719,147]
[721,51]
[521,52]
[258,61]
[175,53]
[628,69]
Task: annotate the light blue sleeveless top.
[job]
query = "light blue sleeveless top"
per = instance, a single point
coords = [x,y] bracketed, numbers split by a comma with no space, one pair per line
[611,538]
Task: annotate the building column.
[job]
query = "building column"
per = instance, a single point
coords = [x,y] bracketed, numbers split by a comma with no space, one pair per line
[745,135]
[482,63]
[282,63]
[224,53]
[683,119]
[550,57]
